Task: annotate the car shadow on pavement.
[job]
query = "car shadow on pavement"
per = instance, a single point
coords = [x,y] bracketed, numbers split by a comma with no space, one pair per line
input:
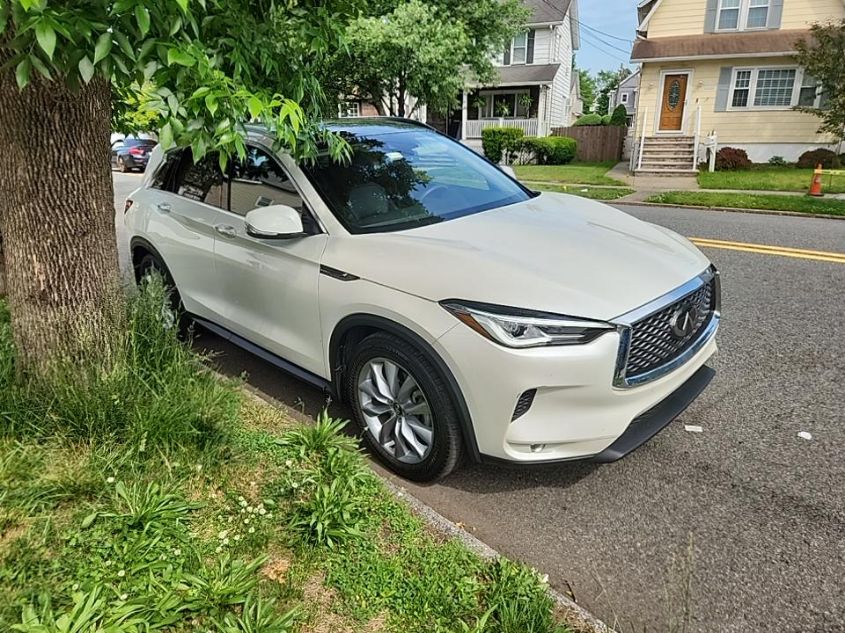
[304,402]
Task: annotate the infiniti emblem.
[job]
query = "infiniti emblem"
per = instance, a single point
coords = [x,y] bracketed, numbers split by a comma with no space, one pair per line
[683,321]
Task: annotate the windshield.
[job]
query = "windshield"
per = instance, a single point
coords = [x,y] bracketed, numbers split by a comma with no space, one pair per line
[407,178]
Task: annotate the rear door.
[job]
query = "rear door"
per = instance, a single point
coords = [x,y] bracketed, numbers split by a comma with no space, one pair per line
[270,285]
[185,207]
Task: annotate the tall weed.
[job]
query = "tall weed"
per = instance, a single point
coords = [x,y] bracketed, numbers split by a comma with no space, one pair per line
[149,388]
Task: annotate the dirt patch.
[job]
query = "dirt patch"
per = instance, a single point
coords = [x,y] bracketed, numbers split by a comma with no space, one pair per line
[276,569]
[12,534]
[324,619]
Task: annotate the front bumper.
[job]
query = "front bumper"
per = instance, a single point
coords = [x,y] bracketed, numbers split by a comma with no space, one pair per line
[577,412]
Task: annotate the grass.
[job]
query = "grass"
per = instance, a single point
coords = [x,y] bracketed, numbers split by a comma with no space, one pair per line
[573,173]
[767,178]
[266,527]
[593,193]
[769,202]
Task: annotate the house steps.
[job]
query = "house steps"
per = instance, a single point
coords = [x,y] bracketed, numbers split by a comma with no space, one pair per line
[667,156]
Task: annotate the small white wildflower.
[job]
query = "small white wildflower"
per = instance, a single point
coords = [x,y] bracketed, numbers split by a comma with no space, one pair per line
[230,519]
[243,502]
[223,534]
[219,549]
[294,485]
[110,480]
[269,515]
[75,586]
[225,541]
[121,573]
[177,552]
[199,467]
[288,463]
[262,511]
[251,530]
[237,537]
[249,508]
[107,563]
[124,596]
[246,521]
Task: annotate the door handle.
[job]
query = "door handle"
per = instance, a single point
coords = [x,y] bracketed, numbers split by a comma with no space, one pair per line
[164,207]
[225,229]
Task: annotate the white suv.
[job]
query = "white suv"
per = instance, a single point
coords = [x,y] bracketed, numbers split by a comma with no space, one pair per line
[457,312]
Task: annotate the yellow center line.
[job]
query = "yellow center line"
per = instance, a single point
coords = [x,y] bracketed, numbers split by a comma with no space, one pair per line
[764,249]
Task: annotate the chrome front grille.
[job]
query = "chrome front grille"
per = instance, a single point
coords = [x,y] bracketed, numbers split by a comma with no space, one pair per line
[665,333]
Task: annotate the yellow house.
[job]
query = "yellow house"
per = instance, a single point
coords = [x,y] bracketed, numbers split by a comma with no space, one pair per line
[719,73]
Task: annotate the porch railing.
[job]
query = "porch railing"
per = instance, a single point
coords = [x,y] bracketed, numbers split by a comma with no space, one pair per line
[531,127]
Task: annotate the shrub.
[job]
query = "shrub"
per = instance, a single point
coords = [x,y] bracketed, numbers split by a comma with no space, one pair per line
[824,157]
[550,150]
[588,119]
[501,142]
[778,161]
[619,117]
[732,159]
[605,120]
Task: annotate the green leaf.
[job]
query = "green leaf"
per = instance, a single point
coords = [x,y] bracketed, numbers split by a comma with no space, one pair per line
[211,103]
[46,37]
[22,73]
[103,47]
[142,16]
[176,25]
[183,4]
[40,67]
[178,56]
[86,69]
[124,44]
[255,106]
[165,136]
[87,521]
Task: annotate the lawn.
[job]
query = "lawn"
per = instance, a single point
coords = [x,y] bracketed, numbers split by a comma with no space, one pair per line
[593,193]
[769,202]
[159,497]
[574,173]
[769,179]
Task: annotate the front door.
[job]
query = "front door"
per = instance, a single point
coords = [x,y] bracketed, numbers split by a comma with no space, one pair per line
[672,104]
[270,286]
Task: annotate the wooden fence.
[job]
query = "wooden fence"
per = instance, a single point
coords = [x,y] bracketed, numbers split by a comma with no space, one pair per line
[596,143]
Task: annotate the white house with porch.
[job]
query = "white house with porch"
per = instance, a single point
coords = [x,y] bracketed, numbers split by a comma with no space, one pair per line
[533,89]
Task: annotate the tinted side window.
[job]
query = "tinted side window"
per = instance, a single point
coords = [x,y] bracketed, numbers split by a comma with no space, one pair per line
[202,181]
[166,172]
[259,181]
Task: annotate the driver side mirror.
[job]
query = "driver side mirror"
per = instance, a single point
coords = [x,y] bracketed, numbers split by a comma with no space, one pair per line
[276,222]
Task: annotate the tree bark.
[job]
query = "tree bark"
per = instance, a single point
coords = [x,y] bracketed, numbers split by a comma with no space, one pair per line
[57,218]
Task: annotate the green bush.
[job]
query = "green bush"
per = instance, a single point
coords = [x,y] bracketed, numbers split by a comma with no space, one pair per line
[605,120]
[619,117]
[501,142]
[550,150]
[732,159]
[149,388]
[816,157]
[778,161]
[589,119]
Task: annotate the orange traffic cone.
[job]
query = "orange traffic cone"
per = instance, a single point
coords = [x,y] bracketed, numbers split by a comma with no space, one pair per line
[816,185]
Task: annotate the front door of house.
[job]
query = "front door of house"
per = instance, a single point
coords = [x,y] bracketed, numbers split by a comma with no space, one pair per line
[672,104]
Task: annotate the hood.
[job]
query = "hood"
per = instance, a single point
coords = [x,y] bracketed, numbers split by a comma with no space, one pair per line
[556,253]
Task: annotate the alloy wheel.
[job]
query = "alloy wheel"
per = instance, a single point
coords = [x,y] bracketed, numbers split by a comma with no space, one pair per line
[395,410]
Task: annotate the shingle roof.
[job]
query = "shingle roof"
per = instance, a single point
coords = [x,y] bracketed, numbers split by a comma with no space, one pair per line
[717,45]
[527,74]
[543,11]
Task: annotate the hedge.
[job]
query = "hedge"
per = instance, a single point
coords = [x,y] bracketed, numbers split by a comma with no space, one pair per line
[499,142]
[588,119]
[550,150]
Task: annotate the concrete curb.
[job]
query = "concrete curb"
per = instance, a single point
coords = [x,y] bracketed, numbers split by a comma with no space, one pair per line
[444,526]
[795,214]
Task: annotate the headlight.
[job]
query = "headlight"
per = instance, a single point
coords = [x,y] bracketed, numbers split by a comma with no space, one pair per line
[513,327]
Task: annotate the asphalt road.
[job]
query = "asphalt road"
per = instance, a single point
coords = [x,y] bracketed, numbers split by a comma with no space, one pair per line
[743,525]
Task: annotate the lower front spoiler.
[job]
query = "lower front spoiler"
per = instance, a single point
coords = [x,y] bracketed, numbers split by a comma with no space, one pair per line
[646,425]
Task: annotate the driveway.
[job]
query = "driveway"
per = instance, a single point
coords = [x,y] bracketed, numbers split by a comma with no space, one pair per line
[741,525]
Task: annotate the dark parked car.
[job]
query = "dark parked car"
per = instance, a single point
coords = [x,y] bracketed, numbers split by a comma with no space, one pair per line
[131,153]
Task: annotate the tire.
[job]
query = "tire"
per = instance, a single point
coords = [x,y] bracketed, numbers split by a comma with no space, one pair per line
[444,448]
[150,263]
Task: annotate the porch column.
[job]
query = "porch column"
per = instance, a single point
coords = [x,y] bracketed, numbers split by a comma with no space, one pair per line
[541,112]
[463,115]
